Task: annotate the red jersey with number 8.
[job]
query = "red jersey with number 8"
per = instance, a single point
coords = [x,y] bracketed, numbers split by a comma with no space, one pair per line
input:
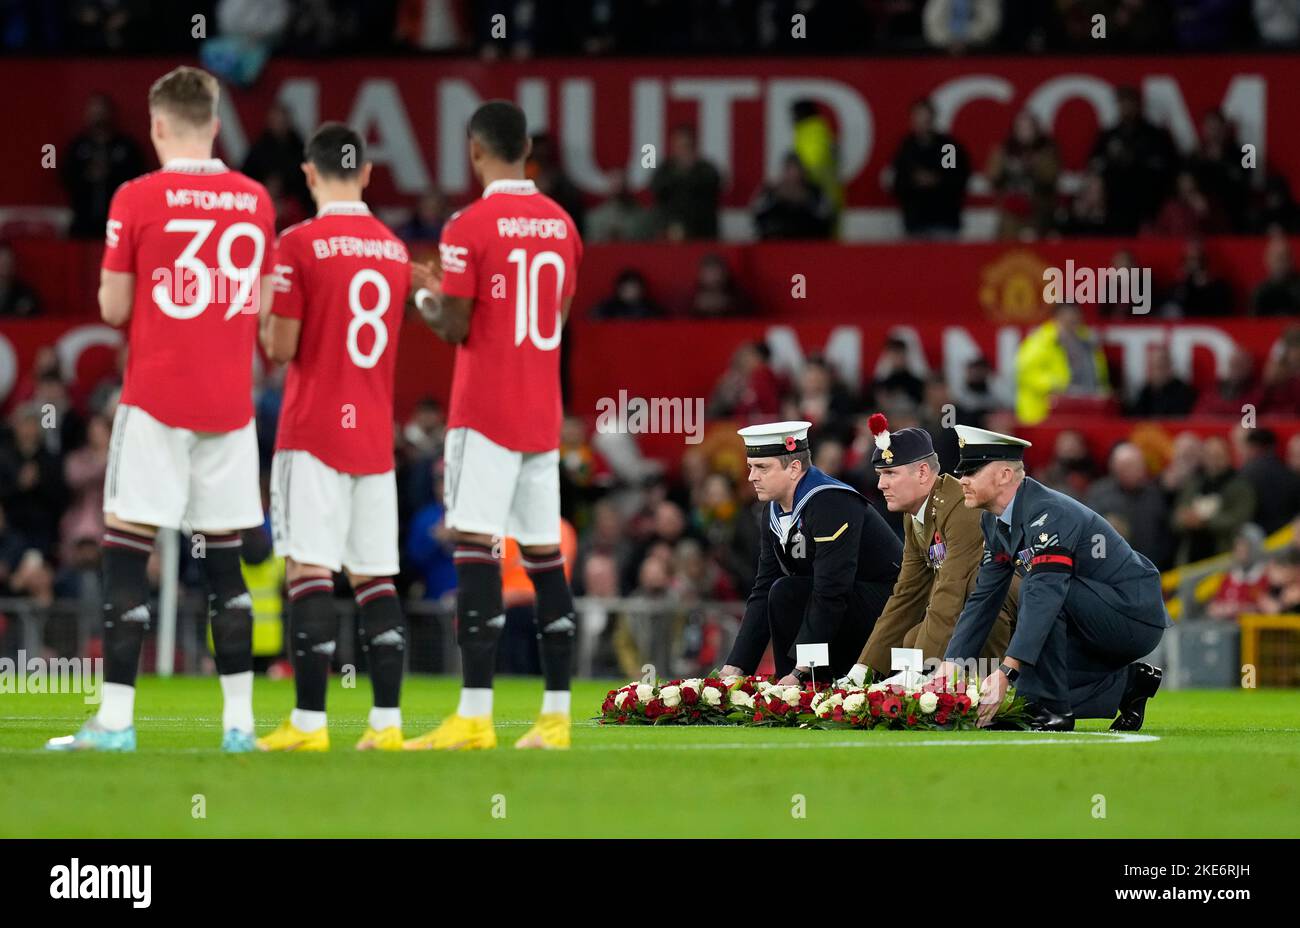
[346,277]
[515,252]
[197,236]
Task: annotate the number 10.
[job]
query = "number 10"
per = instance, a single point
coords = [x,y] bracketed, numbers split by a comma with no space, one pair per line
[526,310]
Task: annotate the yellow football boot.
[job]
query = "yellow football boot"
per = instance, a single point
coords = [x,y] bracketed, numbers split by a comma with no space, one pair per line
[550,733]
[457,733]
[289,738]
[388,739]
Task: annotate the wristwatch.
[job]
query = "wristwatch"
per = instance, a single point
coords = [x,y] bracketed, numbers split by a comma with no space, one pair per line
[803,676]
[1011,673]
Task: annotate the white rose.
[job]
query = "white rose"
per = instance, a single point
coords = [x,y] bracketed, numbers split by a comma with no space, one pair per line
[742,699]
[854,702]
[620,699]
[644,692]
[825,709]
[792,695]
[711,696]
[671,695]
[928,702]
[693,684]
[973,694]
[837,700]
[876,688]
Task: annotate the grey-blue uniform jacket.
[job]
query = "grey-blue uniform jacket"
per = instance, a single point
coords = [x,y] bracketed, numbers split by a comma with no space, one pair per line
[1063,551]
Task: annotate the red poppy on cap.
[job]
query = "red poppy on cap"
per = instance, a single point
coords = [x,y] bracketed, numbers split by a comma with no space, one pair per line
[790,443]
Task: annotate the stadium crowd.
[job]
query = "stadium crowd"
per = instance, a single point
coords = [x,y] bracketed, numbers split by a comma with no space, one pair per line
[638,27]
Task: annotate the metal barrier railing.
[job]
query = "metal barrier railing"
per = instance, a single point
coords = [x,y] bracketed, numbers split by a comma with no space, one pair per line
[632,633]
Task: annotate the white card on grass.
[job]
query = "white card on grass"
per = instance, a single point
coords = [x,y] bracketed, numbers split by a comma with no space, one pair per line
[812,655]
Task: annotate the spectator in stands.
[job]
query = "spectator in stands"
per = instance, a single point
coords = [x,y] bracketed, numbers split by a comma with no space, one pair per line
[24,571]
[1121,261]
[1134,158]
[1283,595]
[96,162]
[930,171]
[17,299]
[1199,292]
[1023,171]
[278,153]
[686,189]
[1275,211]
[1188,212]
[62,427]
[981,392]
[1276,487]
[1245,587]
[433,25]
[960,25]
[815,147]
[895,382]
[1184,461]
[425,224]
[1130,500]
[427,426]
[1216,165]
[1061,356]
[1281,381]
[937,415]
[1212,505]
[630,299]
[106,25]
[1277,22]
[31,481]
[621,218]
[792,207]
[1072,469]
[543,169]
[429,544]
[1279,294]
[822,397]
[606,539]
[1234,391]
[717,295]
[83,472]
[1089,211]
[1164,395]
[749,390]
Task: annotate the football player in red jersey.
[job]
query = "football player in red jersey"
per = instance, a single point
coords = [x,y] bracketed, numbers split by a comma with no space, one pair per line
[341,282]
[509,262]
[187,254]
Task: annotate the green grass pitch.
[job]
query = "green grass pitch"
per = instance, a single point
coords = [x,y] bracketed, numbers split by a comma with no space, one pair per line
[1220,764]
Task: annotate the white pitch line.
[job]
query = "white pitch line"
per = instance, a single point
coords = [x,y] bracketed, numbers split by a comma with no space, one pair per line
[1055,738]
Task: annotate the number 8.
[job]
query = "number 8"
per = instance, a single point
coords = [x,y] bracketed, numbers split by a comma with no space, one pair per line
[373,317]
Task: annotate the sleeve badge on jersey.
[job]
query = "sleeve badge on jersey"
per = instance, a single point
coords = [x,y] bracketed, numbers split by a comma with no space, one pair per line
[452,258]
[280,282]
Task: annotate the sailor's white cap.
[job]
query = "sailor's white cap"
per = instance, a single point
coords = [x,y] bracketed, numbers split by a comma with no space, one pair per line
[775,438]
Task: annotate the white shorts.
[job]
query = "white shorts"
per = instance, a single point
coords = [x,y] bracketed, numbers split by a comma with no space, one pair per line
[171,477]
[325,517]
[491,490]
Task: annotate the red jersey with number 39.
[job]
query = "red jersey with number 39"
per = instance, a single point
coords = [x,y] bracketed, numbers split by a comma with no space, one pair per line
[197,236]
[346,277]
[515,252]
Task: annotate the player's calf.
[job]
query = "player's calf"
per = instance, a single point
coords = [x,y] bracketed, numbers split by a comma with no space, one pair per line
[556,626]
[230,611]
[126,619]
[384,642]
[315,629]
[480,616]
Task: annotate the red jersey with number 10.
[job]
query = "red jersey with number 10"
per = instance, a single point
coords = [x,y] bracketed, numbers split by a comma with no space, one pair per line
[346,277]
[197,236]
[515,252]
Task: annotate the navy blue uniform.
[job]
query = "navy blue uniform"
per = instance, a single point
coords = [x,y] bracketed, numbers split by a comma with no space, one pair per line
[1089,604]
[823,576]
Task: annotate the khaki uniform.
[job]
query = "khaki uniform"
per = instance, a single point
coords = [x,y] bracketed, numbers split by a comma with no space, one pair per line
[941,558]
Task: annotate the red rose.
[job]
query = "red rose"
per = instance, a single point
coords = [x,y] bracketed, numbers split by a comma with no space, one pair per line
[911,720]
[875,697]
[838,713]
[947,700]
[758,716]
[941,716]
[689,696]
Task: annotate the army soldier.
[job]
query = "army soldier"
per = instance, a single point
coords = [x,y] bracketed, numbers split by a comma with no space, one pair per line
[942,548]
[827,560]
[1090,605]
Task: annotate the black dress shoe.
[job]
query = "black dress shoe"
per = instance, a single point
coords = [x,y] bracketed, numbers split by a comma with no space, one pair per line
[1038,718]
[1143,682]
[1044,719]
